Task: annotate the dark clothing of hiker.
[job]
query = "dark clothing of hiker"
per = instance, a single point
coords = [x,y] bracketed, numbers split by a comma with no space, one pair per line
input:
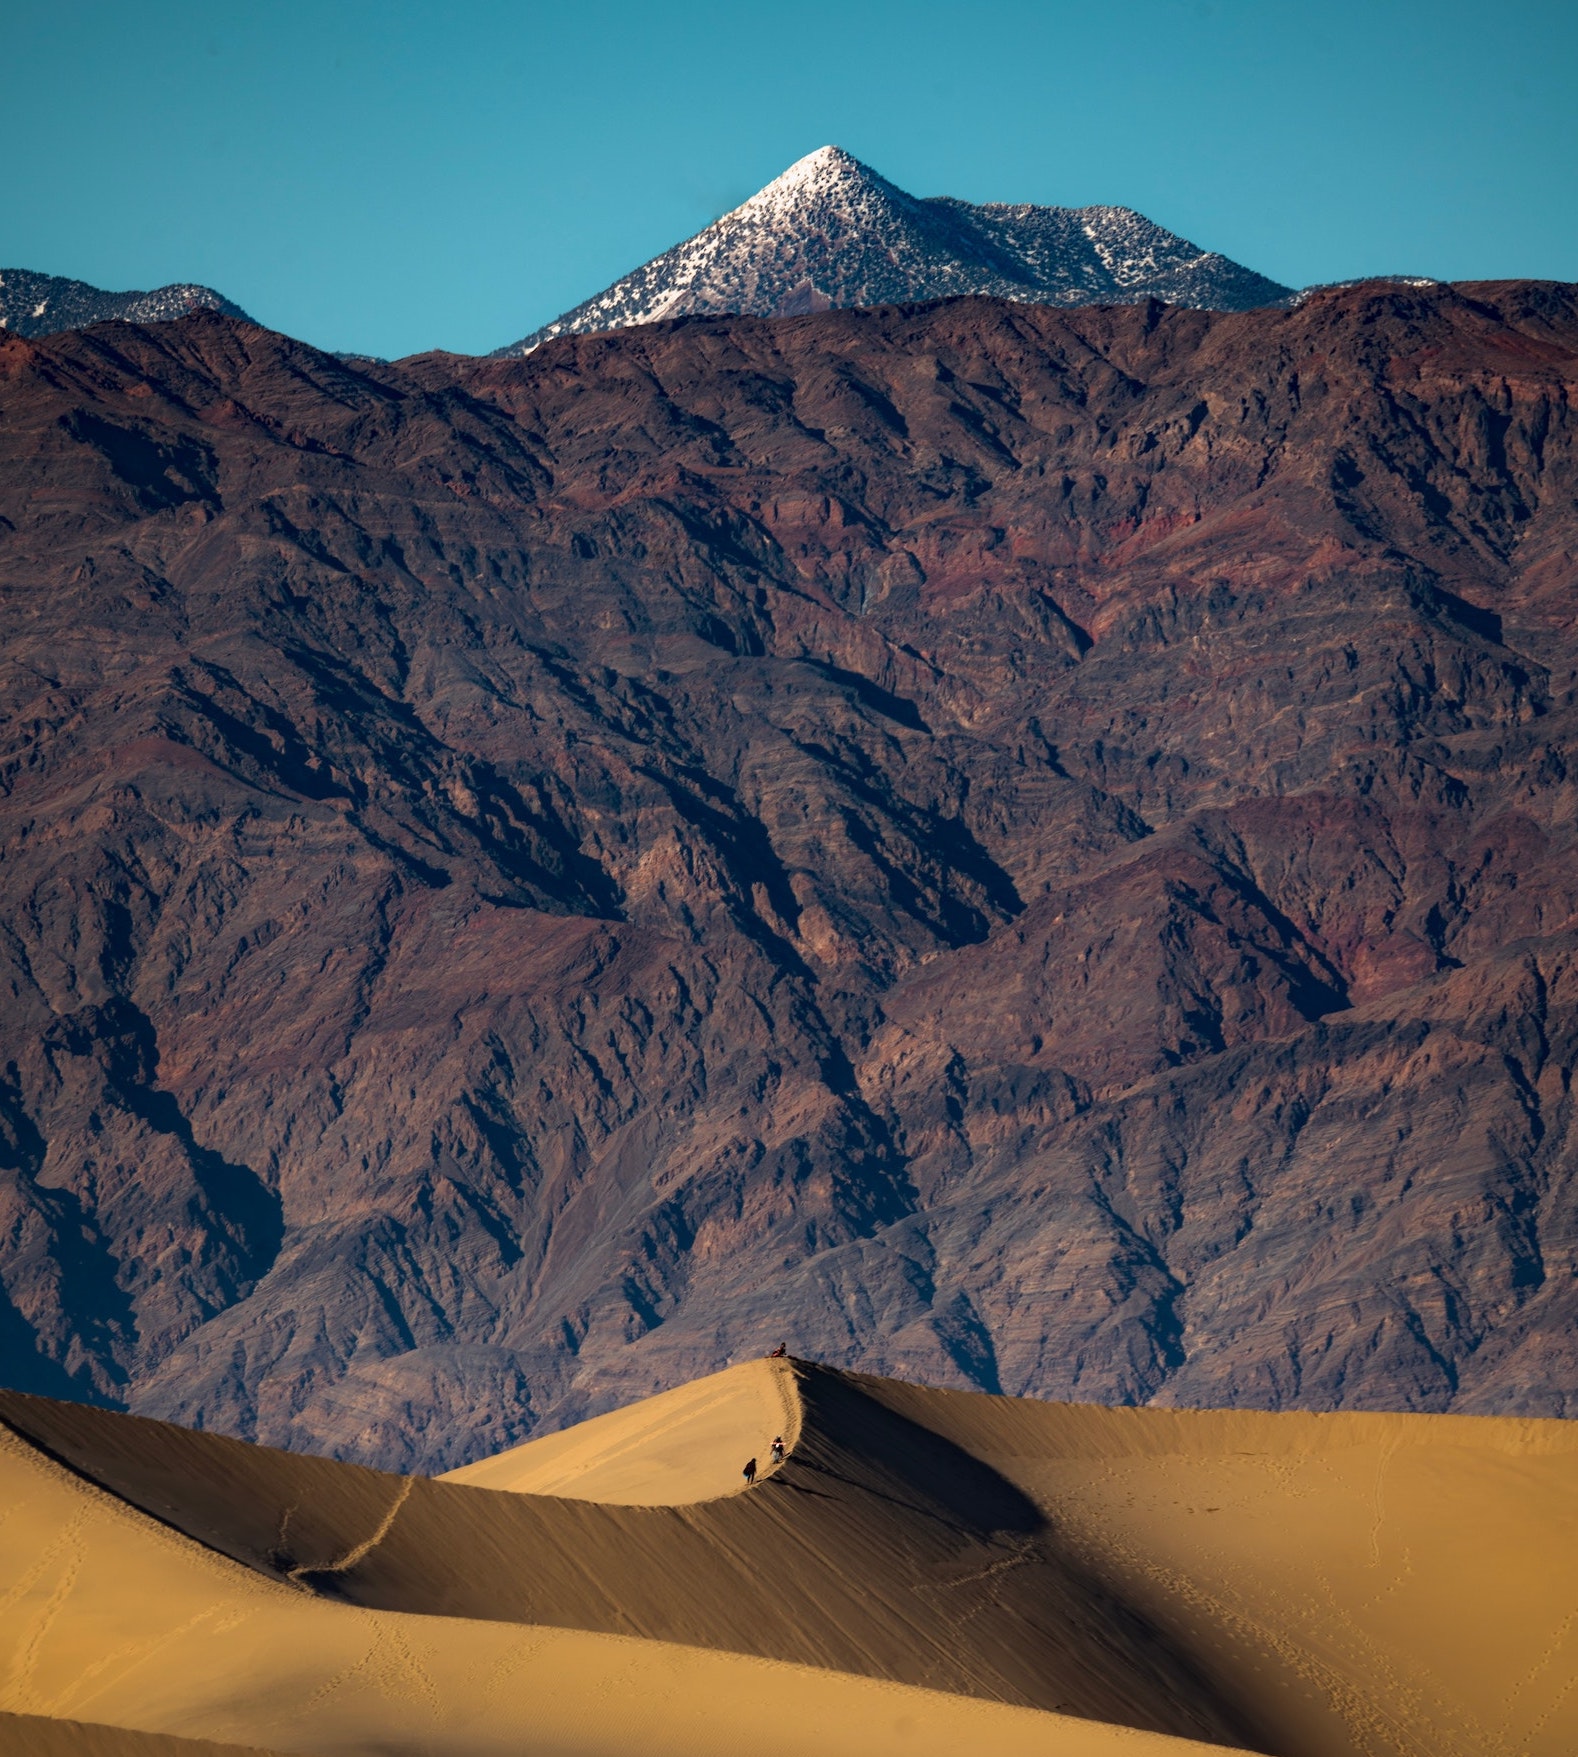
[749,1472]
[778,1353]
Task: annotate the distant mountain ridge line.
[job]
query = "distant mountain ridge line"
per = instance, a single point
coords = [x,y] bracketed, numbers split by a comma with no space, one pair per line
[833,232]
[33,304]
[830,232]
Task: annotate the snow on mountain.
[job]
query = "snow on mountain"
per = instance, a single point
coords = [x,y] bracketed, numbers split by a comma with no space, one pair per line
[42,305]
[830,232]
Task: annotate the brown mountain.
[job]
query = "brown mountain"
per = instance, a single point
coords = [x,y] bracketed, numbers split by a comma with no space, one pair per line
[1023,847]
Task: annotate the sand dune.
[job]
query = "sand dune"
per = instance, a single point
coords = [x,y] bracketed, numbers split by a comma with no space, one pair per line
[878,1549]
[684,1445]
[927,1572]
[1357,1583]
[37,1735]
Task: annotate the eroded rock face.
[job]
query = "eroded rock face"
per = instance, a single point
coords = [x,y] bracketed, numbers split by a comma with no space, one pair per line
[1031,849]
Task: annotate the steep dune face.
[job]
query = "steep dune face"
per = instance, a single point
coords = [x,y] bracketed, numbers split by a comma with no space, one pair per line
[1304,1586]
[1029,848]
[1357,1583]
[124,1638]
[876,1549]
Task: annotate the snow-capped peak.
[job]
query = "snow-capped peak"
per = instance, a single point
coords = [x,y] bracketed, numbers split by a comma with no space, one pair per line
[33,304]
[830,231]
[817,171]
[826,181]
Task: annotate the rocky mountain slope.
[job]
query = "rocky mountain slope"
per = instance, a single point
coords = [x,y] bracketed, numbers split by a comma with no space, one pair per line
[1030,849]
[42,305]
[831,232]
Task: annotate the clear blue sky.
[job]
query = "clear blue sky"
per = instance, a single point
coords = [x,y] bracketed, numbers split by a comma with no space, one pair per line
[396,176]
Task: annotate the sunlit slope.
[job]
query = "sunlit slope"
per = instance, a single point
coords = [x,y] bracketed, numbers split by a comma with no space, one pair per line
[877,1549]
[684,1445]
[109,1619]
[1358,1583]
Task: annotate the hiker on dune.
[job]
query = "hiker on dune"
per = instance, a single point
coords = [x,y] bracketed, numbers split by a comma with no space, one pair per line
[749,1472]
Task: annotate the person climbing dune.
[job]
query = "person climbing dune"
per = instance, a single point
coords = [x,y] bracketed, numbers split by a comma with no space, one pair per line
[749,1472]
[778,1450]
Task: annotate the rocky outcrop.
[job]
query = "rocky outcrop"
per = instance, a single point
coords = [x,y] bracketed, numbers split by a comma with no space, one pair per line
[1026,848]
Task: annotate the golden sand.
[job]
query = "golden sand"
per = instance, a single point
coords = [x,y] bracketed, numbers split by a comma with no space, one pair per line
[681,1446]
[37,1735]
[928,1572]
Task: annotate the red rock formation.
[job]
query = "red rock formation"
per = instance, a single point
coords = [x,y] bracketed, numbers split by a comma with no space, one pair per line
[1025,848]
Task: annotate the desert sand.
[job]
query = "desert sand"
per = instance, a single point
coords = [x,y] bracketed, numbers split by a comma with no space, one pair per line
[927,1572]
[39,1735]
[684,1445]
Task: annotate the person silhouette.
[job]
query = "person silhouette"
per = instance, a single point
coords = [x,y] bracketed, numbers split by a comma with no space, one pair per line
[749,1472]
[778,1450]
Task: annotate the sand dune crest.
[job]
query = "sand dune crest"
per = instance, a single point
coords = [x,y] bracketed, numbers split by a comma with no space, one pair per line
[682,1446]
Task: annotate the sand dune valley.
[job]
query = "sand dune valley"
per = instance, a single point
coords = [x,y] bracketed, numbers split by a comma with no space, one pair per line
[926,1572]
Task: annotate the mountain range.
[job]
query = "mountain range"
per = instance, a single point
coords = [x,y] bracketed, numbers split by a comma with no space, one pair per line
[831,232]
[1026,848]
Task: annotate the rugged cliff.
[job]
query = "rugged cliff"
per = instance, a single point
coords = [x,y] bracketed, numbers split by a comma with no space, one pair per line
[1027,848]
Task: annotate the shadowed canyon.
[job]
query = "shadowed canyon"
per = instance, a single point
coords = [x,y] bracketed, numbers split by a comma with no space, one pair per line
[1030,849]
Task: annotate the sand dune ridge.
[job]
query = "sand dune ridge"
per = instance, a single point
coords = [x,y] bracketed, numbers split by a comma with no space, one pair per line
[1303,1586]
